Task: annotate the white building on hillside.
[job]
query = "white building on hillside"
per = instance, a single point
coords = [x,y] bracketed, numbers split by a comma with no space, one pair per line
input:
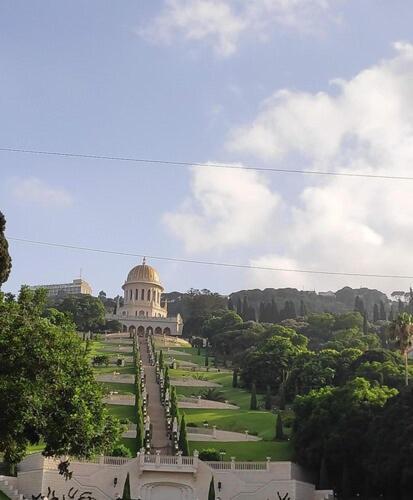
[143,311]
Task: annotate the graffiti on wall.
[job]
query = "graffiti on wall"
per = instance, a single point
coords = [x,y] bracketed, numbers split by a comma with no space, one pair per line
[73,494]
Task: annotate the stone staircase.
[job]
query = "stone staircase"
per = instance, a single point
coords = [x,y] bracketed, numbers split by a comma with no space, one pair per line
[7,487]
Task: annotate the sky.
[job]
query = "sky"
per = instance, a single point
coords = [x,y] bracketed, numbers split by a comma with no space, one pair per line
[297,84]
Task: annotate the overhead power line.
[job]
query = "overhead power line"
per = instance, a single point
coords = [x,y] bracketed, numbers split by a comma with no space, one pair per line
[151,161]
[209,263]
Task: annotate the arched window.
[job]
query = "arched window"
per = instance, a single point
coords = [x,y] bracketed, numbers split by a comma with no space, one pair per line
[136,294]
[149,295]
[130,294]
[141,313]
[142,294]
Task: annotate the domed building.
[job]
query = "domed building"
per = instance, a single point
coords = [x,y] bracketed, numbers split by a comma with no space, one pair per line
[143,310]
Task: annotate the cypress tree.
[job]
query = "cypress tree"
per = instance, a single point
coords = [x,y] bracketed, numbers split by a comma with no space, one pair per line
[365,324]
[206,359]
[126,489]
[235,378]
[230,304]
[174,403]
[383,315]
[140,430]
[253,402]
[183,438]
[292,311]
[211,492]
[166,378]
[303,308]
[160,359]
[281,396]
[261,314]
[401,306]
[268,398]
[199,351]
[239,307]
[391,314]
[323,480]
[279,429]
[274,314]
[5,259]
[359,305]
[245,308]
[376,314]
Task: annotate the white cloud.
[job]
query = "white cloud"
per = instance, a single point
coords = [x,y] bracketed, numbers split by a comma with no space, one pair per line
[33,190]
[222,23]
[344,224]
[227,208]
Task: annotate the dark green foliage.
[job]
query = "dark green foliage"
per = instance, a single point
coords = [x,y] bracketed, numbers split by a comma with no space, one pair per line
[160,359]
[230,304]
[87,312]
[268,398]
[183,438]
[213,394]
[209,455]
[323,480]
[279,429]
[5,259]
[206,359]
[235,378]
[102,359]
[120,450]
[50,394]
[253,402]
[365,324]
[390,450]
[383,315]
[211,492]
[126,489]
[303,308]
[359,305]
[376,313]
[332,423]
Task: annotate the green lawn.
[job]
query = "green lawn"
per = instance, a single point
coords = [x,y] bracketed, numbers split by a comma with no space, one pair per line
[131,444]
[189,354]
[237,396]
[259,423]
[118,387]
[128,370]
[254,451]
[3,496]
[123,411]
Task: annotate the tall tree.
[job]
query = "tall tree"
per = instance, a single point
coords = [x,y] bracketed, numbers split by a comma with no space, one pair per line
[253,401]
[376,313]
[230,304]
[274,313]
[239,307]
[268,398]
[235,378]
[383,315]
[365,323]
[245,308]
[126,489]
[87,312]
[50,394]
[183,438]
[359,305]
[5,259]
[279,429]
[303,308]
[211,491]
[261,313]
[402,332]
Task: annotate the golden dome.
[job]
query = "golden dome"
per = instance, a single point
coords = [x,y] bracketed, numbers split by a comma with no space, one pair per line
[143,273]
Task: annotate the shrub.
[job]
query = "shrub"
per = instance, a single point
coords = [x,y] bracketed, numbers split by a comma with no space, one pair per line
[120,450]
[209,455]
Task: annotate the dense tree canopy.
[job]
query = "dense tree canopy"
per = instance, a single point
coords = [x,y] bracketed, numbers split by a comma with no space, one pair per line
[332,424]
[47,389]
[87,312]
[5,259]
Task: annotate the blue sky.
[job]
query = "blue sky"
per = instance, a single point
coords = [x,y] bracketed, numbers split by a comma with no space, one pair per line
[290,83]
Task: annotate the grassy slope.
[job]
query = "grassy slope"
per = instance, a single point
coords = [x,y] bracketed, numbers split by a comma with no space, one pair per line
[252,451]
[3,496]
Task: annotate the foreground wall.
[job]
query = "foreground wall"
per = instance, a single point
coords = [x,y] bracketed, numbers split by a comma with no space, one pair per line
[154,477]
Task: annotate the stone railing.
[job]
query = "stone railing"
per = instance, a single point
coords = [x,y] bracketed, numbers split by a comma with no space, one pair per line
[52,463]
[160,462]
[240,466]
